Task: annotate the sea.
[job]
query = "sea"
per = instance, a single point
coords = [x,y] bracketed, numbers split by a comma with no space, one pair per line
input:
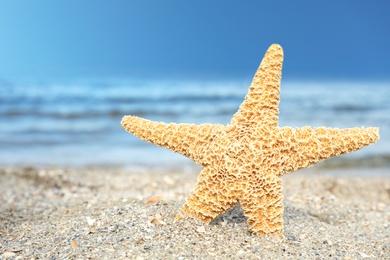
[77,123]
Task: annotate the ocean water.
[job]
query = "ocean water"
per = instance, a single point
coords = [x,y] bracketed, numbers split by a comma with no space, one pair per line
[78,123]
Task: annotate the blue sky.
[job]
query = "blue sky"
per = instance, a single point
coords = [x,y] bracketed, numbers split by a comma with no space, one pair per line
[193,39]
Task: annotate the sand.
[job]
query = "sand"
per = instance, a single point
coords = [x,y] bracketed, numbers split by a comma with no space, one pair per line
[101,213]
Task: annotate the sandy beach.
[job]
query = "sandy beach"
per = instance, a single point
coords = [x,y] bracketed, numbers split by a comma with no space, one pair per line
[109,213]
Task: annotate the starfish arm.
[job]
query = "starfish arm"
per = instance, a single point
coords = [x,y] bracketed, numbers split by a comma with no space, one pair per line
[307,146]
[263,206]
[261,102]
[209,198]
[186,139]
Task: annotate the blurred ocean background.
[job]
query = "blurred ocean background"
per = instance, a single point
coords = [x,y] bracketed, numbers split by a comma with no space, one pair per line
[70,70]
[78,124]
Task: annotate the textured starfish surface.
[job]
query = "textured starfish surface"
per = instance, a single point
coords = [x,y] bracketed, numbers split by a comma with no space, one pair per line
[244,160]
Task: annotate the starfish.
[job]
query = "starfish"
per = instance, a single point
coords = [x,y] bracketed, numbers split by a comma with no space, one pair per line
[244,160]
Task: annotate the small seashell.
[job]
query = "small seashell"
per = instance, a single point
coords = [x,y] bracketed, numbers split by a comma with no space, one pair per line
[154,199]
[90,221]
[93,231]
[201,229]
[157,222]
[240,252]
[168,180]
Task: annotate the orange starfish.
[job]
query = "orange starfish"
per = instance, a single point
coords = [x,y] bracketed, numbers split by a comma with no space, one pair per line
[243,161]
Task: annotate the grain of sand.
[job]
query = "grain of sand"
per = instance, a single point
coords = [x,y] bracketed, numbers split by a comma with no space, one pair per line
[60,213]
